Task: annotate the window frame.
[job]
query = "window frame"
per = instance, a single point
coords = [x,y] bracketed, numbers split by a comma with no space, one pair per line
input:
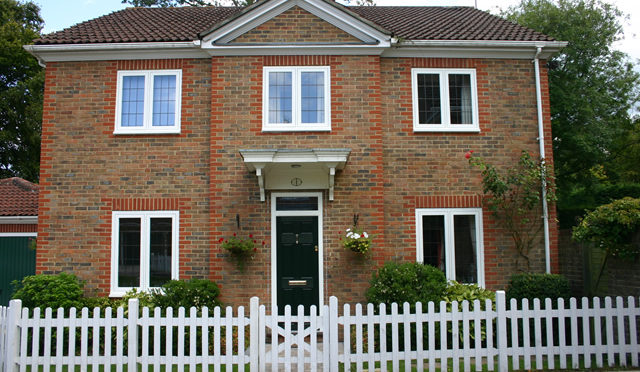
[449,238]
[147,127]
[445,109]
[296,124]
[145,249]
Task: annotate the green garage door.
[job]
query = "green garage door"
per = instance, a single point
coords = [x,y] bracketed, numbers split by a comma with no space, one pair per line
[17,260]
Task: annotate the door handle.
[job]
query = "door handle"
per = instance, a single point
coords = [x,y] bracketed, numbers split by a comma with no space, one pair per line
[297,282]
[315,248]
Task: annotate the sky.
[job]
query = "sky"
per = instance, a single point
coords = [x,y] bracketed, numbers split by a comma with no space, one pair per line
[60,14]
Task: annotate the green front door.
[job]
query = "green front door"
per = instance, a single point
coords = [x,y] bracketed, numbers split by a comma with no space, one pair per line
[297,262]
[17,260]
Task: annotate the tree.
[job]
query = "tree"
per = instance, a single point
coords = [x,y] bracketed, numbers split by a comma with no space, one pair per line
[593,88]
[21,91]
[236,3]
[514,198]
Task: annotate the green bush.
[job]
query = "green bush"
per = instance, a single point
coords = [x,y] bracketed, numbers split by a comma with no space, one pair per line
[195,292]
[539,286]
[406,282]
[54,291]
[470,292]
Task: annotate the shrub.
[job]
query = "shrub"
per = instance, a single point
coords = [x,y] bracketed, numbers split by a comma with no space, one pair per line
[54,291]
[195,292]
[406,282]
[470,292]
[539,286]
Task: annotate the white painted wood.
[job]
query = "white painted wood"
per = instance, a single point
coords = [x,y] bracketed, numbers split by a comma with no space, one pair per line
[395,343]
[432,335]
[586,334]
[346,311]
[548,316]
[622,355]
[132,332]
[302,348]
[501,324]
[562,339]
[255,333]
[527,350]
[633,332]
[60,338]
[383,338]
[419,337]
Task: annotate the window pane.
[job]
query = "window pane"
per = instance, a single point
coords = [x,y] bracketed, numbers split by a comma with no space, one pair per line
[160,260]
[460,98]
[433,241]
[298,203]
[312,97]
[429,99]
[132,101]
[164,100]
[280,91]
[465,250]
[129,252]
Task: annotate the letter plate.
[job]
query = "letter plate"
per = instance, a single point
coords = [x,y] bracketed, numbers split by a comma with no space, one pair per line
[297,283]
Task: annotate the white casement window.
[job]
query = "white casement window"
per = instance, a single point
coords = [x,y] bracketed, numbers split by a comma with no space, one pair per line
[148,102]
[451,240]
[144,250]
[444,100]
[296,99]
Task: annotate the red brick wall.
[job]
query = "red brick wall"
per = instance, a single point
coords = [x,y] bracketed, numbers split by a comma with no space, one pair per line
[296,25]
[87,172]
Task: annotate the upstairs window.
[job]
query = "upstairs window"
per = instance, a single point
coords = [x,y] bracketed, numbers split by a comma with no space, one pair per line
[451,240]
[148,102]
[444,100]
[296,99]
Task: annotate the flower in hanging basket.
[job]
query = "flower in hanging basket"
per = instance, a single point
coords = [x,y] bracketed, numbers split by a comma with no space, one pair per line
[241,248]
[357,240]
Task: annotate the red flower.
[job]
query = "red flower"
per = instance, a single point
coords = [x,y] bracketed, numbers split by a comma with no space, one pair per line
[234,234]
[221,240]
[467,155]
[254,242]
[255,249]
[251,235]
[263,243]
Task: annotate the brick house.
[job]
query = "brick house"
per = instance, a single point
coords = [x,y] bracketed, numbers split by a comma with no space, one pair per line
[167,129]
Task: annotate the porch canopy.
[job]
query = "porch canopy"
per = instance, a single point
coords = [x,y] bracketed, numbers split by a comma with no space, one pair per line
[295,169]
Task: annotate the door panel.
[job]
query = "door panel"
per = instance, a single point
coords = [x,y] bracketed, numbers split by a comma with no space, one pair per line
[297,261]
[17,260]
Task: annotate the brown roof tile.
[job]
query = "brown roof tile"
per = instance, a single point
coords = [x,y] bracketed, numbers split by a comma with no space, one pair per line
[18,197]
[184,24]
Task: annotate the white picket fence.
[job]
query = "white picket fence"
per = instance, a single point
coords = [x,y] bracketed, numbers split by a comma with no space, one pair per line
[453,336]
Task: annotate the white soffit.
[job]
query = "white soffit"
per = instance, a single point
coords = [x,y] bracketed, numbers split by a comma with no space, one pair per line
[320,8]
[286,169]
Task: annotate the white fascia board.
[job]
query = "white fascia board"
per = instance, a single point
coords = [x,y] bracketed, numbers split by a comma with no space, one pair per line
[295,50]
[18,220]
[474,49]
[319,8]
[116,51]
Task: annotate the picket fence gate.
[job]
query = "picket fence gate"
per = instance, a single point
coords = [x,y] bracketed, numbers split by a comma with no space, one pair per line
[452,336]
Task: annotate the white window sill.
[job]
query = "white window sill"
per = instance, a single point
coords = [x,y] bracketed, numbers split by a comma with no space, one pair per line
[146,132]
[297,129]
[423,129]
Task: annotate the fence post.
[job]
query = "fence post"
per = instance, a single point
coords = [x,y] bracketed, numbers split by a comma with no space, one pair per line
[12,346]
[254,333]
[501,331]
[132,332]
[333,334]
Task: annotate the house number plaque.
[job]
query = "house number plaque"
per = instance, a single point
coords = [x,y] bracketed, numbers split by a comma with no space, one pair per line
[295,181]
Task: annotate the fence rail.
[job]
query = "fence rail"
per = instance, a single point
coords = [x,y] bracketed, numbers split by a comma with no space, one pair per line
[457,336]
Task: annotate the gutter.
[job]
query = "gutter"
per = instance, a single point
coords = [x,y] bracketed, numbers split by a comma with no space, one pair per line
[18,220]
[545,207]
